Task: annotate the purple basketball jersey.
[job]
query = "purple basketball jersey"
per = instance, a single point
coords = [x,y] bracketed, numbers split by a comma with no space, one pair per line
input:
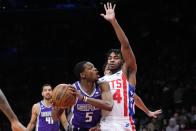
[45,121]
[85,115]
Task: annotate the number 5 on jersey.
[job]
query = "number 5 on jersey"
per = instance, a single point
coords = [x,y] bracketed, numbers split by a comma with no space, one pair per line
[89,116]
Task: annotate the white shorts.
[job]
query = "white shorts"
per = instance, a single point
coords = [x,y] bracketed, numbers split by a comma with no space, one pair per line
[117,124]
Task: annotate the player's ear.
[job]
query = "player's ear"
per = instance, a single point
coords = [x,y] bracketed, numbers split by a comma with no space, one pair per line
[82,75]
[42,93]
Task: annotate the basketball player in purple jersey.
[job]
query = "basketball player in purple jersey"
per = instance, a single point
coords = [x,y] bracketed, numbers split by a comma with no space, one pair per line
[7,110]
[41,113]
[122,82]
[86,113]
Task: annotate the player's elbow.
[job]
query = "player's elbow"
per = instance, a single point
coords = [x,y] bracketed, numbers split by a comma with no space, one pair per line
[137,98]
[109,106]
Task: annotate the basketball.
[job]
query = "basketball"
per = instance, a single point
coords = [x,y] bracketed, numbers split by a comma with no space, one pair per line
[63,96]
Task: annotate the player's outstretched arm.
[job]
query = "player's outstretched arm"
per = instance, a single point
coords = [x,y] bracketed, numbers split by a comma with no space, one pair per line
[7,110]
[140,104]
[5,107]
[126,49]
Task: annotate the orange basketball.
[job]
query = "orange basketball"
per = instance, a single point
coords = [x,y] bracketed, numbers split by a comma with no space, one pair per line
[63,96]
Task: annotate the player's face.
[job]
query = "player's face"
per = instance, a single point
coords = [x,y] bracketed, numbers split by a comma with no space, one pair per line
[47,92]
[90,72]
[114,61]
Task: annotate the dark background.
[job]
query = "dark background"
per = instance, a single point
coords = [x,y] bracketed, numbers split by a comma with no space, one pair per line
[40,42]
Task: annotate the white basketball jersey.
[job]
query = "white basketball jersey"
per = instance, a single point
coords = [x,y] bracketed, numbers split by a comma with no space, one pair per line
[123,96]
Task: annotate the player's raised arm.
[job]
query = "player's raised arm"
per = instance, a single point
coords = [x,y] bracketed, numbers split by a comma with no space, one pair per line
[126,50]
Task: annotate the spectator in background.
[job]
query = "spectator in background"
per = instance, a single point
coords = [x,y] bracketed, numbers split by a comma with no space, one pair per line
[190,95]
[192,117]
[172,126]
[178,96]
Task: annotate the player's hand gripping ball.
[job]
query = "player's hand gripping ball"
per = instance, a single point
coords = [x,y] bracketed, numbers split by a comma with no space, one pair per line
[63,96]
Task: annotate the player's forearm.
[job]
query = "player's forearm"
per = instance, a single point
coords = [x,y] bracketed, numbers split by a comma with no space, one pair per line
[140,104]
[65,126]
[30,127]
[126,49]
[64,121]
[120,34]
[56,113]
[5,107]
[105,105]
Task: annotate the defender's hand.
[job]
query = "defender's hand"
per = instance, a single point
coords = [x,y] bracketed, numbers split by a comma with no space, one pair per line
[154,114]
[109,12]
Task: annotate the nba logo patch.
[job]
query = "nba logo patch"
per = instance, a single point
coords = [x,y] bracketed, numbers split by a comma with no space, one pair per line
[127,125]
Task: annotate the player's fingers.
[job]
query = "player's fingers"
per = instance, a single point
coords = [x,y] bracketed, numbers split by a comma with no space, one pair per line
[105,7]
[114,6]
[72,89]
[108,5]
[155,116]
[74,93]
[102,15]
[69,85]
[159,111]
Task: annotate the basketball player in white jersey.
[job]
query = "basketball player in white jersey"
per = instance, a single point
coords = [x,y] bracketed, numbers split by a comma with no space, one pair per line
[122,82]
[7,110]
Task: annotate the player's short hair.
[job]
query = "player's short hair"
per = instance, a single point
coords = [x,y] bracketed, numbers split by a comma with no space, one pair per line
[46,85]
[79,68]
[116,51]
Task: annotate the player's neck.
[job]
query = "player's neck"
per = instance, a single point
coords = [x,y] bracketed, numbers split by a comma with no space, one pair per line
[47,102]
[114,71]
[88,87]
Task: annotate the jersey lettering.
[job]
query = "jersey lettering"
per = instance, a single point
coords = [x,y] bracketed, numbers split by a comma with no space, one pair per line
[49,120]
[117,96]
[116,83]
